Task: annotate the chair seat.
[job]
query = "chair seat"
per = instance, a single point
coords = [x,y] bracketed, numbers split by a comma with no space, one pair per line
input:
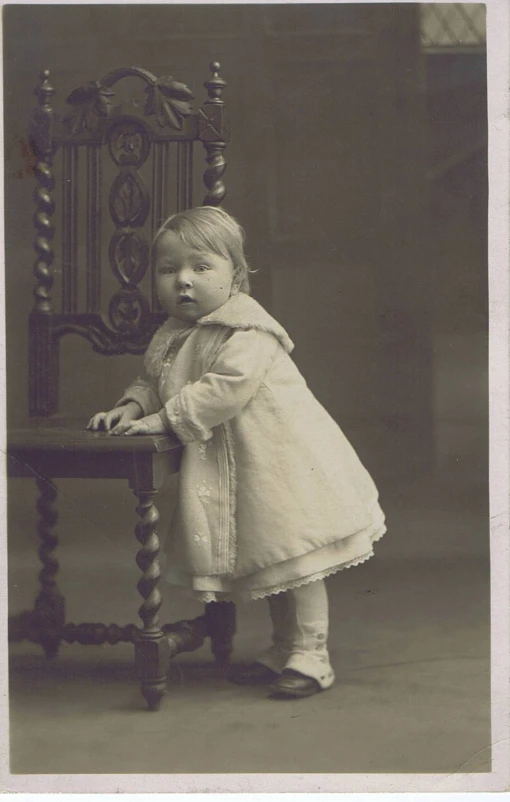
[59,447]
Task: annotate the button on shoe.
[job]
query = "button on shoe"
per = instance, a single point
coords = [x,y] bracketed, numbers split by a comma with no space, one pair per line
[293,685]
[253,674]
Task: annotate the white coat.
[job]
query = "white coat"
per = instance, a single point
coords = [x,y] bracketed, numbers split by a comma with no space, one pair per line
[271,494]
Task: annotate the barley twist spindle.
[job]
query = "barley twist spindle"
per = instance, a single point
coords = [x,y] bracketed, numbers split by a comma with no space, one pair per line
[147,561]
[49,541]
[41,125]
[214,134]
[151,647]
[212,176]
[49,605]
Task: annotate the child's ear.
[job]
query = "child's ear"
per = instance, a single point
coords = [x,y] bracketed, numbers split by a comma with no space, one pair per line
[236,282]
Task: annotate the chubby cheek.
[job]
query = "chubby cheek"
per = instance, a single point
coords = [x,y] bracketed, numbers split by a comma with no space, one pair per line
[165,285]
[221,291]
[219,287]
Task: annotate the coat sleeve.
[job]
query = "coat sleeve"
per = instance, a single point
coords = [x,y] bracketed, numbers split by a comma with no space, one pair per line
[236,374]
[144,392]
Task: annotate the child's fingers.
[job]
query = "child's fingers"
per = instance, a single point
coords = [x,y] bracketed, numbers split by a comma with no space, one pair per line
[136,427]
[122,426]
[131,427]
[107,420]
[96,420]
[111,418]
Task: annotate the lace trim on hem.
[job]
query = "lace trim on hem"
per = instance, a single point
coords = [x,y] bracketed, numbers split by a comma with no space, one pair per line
[306,580]
[262,593]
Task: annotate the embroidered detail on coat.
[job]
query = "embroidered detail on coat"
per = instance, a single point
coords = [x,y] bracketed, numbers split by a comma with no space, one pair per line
[163,349]
[227,486]
[174,345]
[200,538]
[204,493]
[202,450]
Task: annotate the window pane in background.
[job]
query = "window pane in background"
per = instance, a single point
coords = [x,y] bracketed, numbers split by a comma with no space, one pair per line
[452,25]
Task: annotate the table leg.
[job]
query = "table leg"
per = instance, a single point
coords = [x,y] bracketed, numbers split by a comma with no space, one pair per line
[49,608]
[152,652]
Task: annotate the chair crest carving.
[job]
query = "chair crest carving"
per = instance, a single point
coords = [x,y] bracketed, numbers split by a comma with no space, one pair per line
[168,101]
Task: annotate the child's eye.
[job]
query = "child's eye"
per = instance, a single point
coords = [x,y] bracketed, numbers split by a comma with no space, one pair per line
[201,268]
[166,271]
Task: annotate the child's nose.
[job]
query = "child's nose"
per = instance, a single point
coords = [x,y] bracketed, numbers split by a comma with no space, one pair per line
[185,278]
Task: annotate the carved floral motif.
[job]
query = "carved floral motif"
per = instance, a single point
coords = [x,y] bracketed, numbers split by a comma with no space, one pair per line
[169,102]
[129,200]
[129,256]
[127,310]
[91,102]
[129,144]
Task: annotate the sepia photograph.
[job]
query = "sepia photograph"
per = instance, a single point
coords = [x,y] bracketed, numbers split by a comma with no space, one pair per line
[247,394]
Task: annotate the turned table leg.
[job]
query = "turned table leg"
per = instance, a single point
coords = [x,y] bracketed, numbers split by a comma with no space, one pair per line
[152,652]
[49,608]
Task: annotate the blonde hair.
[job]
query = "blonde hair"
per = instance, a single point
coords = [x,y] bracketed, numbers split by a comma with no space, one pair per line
[214,229]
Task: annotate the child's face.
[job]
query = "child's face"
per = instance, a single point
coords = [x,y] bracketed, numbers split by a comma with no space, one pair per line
[190,283]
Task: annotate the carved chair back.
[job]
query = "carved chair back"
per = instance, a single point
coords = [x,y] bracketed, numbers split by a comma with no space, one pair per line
[124,167]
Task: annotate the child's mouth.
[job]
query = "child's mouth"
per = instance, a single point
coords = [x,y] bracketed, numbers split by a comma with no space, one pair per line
[183,300]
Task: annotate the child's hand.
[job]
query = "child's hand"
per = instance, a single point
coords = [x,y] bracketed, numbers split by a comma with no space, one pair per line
[152,424]
[119,415]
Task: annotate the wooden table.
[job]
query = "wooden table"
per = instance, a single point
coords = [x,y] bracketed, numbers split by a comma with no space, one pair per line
[49,449]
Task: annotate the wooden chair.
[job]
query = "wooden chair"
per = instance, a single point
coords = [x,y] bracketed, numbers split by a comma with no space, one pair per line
[101,138]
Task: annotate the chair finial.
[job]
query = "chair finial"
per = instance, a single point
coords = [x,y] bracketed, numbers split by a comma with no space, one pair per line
[215,85]
[44,90]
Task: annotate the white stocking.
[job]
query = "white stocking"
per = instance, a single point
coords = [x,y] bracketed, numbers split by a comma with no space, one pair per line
[300,633]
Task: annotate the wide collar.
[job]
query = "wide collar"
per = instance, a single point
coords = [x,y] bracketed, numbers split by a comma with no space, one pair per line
[243,312]
[239,312]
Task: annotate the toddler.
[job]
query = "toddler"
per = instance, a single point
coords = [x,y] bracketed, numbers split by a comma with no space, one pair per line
[272,498]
